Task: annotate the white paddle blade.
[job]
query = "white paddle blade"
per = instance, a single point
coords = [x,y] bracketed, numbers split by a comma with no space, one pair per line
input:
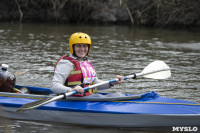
[157,70]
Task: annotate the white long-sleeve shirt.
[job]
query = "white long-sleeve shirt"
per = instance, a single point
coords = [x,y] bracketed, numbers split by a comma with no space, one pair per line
[63,70]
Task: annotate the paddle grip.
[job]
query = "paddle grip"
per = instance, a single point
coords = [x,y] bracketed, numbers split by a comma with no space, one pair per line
[113,81]
[134,75]
[63,95]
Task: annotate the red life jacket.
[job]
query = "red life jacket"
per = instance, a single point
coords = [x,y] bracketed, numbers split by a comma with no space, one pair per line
[76,78]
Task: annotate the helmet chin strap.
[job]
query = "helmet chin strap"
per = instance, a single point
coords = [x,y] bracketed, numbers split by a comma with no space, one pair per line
[74,53]
[88,49]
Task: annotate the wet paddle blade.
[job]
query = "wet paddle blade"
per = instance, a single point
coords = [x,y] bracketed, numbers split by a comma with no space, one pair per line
[39,103]
[20,73]
[158,70]
[33,105]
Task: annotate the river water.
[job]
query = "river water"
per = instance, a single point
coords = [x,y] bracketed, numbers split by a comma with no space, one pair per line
[35,48]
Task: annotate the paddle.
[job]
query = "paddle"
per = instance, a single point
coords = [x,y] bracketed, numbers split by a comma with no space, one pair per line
[155,70]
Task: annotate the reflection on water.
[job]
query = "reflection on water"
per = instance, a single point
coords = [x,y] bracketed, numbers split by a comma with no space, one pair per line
[19,126]
[115,50]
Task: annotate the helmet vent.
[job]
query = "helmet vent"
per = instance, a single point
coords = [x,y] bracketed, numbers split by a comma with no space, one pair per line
[79,36]
[85,36]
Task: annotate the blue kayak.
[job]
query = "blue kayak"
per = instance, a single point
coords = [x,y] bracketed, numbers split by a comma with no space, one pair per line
[130,110]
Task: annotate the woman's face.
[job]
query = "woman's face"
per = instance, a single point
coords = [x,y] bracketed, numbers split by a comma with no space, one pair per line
[81,50]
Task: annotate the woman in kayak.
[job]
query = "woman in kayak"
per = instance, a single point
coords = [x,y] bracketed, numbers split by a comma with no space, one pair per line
[75,71]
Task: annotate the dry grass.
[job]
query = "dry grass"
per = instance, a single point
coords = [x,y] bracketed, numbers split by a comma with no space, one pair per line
[139,12]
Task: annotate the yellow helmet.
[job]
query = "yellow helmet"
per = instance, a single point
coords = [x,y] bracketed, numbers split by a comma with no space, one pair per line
[79,38]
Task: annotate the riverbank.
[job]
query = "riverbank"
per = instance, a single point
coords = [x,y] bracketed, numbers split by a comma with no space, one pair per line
[154,13]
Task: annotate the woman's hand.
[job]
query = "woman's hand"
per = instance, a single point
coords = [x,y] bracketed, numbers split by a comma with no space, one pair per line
[121,78]
[79,89]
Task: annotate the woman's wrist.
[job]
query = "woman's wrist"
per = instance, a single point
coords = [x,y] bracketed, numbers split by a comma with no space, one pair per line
[70,90]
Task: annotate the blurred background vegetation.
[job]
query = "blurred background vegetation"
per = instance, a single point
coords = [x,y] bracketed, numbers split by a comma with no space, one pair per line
[157,13]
